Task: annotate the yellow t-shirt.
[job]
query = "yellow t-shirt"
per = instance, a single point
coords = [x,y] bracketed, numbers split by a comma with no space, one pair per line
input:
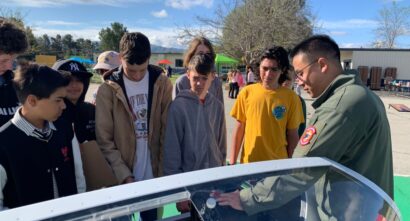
[267,114]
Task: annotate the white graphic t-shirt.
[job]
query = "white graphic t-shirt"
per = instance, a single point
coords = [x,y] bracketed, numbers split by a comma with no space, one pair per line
[137,93]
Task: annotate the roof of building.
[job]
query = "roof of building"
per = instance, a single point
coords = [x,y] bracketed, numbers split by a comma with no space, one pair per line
[375,49]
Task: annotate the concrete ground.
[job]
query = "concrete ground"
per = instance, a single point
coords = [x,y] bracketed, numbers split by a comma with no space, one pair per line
[399,124]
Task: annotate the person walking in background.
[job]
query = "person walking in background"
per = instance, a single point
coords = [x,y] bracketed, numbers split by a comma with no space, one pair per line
[169,71]
[198,45]
[13,41]
[250,76]
[36,159]
[196,126]
[267,114]
[230,79]
[131,113]
[240,81]
[235,86]
[298,90]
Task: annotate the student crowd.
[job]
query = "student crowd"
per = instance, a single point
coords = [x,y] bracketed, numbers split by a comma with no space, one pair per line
[144,127]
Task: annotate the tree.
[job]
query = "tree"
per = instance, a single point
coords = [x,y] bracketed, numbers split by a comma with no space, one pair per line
[60,46]
[110,37]
[68,45]
[393,21]
[56,46]
[85,47]
[17,18]
[253,27]
[245,28]
[44,44]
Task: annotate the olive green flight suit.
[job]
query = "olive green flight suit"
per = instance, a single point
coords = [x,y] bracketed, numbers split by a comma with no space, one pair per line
[349,126]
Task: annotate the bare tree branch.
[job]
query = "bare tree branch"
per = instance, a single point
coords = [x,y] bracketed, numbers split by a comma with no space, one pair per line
[393,22]
[244,28]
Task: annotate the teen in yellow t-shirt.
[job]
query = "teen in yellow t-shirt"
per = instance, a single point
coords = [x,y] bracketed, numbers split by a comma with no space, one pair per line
[268,115]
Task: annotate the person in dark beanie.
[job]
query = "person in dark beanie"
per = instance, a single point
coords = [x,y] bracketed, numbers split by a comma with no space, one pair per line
[79,115]
[36,160]
[13,41]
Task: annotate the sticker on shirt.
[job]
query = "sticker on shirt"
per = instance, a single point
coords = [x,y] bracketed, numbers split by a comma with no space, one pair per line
[307,135]
[279,112]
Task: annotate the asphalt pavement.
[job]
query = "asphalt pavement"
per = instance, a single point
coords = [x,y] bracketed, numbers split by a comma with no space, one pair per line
[400,132]
[399,125]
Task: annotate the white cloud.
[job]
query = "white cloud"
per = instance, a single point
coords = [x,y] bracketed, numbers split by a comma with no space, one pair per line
[162,36]
[353,45]
[160,14]
[88,33]
[54,3]
[187,4]
[348,24]
[338,33]
[166,37]
[56,22]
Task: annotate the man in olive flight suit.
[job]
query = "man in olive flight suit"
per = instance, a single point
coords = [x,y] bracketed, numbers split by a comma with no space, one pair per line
[349,126]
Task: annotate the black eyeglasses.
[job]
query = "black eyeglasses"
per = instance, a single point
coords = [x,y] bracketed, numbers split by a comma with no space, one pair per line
[299,73]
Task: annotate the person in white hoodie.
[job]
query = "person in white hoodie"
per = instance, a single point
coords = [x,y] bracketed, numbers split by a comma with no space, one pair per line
[195,136]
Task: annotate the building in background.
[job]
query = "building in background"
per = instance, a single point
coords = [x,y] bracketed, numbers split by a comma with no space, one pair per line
[379,68]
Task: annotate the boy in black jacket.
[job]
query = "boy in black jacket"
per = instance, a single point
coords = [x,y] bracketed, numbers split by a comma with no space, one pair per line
[12,42]
[79,116]
[36,160]
[78,112]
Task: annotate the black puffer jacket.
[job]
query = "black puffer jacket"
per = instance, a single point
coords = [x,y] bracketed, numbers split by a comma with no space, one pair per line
[81,115]
[8,98]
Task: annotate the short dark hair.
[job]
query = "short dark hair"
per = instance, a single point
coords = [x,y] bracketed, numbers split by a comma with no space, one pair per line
[40,81]
[135,48]
[193,45]
[13,40]
[280,55]
[317,46]
[201,63]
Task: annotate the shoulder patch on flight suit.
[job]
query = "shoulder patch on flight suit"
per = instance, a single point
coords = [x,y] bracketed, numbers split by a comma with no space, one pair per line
[279,111]
[307,135]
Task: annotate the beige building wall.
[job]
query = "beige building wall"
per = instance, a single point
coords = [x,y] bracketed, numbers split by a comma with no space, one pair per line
[384,59]
[173,57]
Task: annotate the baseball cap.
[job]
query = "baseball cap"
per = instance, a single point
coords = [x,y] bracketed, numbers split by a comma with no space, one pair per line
[108,60]
[74,67]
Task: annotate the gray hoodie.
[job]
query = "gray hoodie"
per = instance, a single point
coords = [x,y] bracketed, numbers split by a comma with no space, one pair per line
[195,136]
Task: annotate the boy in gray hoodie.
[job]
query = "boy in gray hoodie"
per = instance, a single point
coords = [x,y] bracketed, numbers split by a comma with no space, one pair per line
[195,136]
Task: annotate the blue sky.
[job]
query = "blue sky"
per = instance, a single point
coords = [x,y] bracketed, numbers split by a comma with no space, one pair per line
[349,22]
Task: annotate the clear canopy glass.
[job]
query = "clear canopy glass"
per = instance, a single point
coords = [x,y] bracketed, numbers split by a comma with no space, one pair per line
[292,189]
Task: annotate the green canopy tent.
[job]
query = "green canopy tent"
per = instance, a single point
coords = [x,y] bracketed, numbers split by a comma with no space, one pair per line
[223,59]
